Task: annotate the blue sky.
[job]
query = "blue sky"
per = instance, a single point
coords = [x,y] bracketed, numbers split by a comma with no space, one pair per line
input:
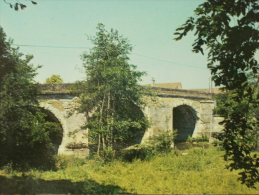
[56,32]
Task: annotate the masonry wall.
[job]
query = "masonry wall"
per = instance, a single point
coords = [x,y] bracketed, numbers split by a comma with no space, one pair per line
[74,141]
[160,112]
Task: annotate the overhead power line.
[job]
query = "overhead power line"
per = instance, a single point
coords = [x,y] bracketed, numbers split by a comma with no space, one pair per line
[61,47]
[51,46]
[169,61]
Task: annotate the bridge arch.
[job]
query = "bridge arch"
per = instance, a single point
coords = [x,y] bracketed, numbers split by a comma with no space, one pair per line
[185,117]
[54,115]
[184,121]
[57,136]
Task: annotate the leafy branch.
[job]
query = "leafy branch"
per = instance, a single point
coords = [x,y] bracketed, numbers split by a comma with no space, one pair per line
[229,30]
[18,5]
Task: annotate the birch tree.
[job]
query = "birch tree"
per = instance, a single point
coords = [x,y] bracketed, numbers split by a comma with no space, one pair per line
[112,96]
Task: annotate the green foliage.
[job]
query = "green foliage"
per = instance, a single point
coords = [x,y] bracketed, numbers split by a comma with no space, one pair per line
[202,138]
[54,79]
[251,134]
[229,29]
[68,161]
[142,152]
[25,136]
[189,139]
[108,154]
[163,141]
[112,97]
[18,5]
[193,173]
[157,144]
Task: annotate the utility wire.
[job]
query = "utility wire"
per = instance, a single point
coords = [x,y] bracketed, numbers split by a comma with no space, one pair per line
[89,48]
[51,46]
[168,61]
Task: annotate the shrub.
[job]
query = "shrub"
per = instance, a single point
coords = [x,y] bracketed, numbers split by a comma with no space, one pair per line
[202,138]
[108,154]
[162,142]
[137,152]
[157,144]
[66,161]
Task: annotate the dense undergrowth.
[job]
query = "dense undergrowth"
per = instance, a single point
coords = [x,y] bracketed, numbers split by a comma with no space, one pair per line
[198,171]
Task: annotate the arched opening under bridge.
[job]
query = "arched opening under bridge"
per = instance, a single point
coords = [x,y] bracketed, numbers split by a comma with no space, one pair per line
[57,136]
[184,121]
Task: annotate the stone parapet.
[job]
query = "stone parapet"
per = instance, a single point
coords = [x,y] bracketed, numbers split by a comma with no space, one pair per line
[55,88]
[162,92]
[181,93]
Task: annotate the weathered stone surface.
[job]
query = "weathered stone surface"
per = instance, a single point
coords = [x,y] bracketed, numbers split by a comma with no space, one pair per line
[190,112]
[191,117]
[61,109]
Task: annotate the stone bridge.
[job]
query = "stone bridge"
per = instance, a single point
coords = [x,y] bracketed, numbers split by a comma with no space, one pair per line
[190,112]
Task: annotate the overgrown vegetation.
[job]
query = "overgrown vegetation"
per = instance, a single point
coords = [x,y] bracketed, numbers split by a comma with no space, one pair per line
[157,144]
[229,30]
[252,136]
[111,95]
[196,172]
[26,137]
[202,138]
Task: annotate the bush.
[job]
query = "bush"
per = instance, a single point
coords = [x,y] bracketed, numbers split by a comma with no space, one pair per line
[108,154]
[202,138]
[161,143]
[66,161]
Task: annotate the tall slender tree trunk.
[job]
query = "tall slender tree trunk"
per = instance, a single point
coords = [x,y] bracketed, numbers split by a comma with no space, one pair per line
[99,144]
[103,140]
[100,135]
[109,117]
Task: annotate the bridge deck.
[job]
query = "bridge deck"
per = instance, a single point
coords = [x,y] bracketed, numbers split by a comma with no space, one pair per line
[58,89]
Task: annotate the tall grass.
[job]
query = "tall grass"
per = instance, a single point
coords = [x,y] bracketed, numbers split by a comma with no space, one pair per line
[197,172]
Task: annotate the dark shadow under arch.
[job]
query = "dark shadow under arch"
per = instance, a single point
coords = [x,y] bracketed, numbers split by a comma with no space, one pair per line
[57,137]
[184,121]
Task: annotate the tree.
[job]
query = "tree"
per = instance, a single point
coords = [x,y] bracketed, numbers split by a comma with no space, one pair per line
[229,29]
[112,97]
[54,79]
[25,136]
[252,137]
[18,4]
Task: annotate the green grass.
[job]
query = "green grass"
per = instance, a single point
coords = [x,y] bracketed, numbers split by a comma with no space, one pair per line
[172,173]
